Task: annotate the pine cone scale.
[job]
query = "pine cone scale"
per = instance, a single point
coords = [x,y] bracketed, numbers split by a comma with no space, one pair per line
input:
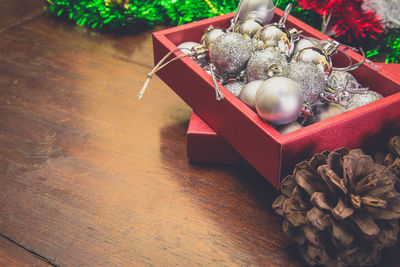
[341,207]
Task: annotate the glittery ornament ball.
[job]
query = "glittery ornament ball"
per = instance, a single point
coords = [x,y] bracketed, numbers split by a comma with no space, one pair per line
[265,64]
[235,87]
[340,80]
[358,100]
[311,78]
[230,53]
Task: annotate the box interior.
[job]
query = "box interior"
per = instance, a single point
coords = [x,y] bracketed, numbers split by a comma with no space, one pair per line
[348,129]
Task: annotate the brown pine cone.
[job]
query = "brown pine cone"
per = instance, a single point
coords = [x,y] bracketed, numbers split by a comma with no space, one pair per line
[341,208]
[392,159]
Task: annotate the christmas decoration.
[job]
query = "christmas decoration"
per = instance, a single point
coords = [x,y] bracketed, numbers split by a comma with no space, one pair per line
[387,10]
[392,159]
[127,14]
[260,10]
[323,111]
[249,92]
[235,87]
[341,208]
[230,53]
[309,76]
[340,81]
[303,43]
[288,128]
[276,35]
[265,64]
[319,55]
[279,100]
[210,36]
[361,99]
[187,48]
[350,19]
[248,28]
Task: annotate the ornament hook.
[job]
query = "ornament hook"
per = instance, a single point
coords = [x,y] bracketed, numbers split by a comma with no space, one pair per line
[161,65]
[218,93]
[285,15]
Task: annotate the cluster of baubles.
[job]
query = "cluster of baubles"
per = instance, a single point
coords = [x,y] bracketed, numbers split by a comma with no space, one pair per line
[286,78]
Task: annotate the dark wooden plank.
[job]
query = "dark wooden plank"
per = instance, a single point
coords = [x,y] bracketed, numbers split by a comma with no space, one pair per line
[89,176]
[16,11]
[13,255]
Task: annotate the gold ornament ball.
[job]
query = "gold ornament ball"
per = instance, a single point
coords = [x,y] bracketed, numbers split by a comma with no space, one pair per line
[316,56]
[248,28]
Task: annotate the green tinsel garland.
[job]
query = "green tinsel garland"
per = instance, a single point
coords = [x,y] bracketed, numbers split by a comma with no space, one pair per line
[112,14]
[124,14]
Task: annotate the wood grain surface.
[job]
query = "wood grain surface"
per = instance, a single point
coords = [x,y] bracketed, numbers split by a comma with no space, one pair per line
[89,176]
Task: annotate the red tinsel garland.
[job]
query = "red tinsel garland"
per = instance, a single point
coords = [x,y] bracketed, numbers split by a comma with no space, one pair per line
[347,18]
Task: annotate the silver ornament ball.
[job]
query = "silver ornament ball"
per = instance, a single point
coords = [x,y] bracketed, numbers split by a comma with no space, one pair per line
[315,55]
[186,48]
[340,81]
[274,35]
[303,43]
[311,78]
[262,10]
[249,92]
[230,53]
[323,111]
[210,36]
[235,87]
[279,100]
[265,64]
[361,99]
[288,128]
[248,28]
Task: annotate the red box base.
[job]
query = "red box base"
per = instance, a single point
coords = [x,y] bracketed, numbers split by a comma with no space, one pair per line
[271,153]
[204,145]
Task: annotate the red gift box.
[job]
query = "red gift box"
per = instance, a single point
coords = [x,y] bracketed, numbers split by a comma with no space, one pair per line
[206,146]
[271,153]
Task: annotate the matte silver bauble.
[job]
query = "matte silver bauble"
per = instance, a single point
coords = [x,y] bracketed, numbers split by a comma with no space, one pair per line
[262,10]
[187,47]
[279,100]
[319,55]
[210,36]
[249,92]
[323,111]
[310,77]
[230,53]
[248,28]
[275,35]
[265,64]
[288,128]
[235,87]
[303,43]
[361,99]
[316,56]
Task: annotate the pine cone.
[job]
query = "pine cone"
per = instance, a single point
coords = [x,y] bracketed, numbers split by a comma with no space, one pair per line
[341,208]
[392,159]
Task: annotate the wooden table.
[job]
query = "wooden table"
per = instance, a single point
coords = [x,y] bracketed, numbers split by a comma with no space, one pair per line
[91,177]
